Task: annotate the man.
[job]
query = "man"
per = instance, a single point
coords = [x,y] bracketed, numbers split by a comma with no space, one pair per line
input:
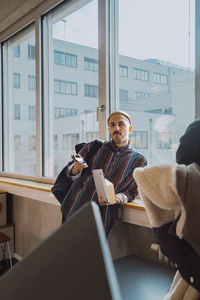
[117,160]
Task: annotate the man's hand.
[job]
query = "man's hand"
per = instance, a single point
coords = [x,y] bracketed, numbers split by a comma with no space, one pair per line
[78,166]
[101,200]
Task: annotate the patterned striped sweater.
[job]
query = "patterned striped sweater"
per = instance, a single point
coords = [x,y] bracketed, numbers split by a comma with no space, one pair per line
[118,164]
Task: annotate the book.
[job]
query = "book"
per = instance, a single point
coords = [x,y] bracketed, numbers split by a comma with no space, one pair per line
[104,186]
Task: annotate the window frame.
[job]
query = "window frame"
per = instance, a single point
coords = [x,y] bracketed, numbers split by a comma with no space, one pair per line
[108,72]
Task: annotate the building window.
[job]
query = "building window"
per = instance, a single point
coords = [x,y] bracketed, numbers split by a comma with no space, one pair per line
[32,142]
[70,88]
[31,83]
[31,112]
[56,170]
[91,90]
[123,71]
[60,112]
[91,136]
[71,60]
[16,111]
[91,64]
[139,139]
[17,142]
[66,141]
[123,95]
[55,141]
[138,95]
[65,59]
[140,74]
[88,111]
[16,80]
[160,78]
[17,51]
[70,141]
[31,51]
[163,140]
[65,87]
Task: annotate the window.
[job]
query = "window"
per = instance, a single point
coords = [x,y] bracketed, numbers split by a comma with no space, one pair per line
[66,141]
[91,136]
[71,60]
[31,83]
[123,71]
[31,112]
[91,64]
[123,95]
[16,80]
[139,139]
[31,51]
[140,74]
[64,101]
[138,95]
[55,141]
[16,111]
[17,51]
[91,90]
[60,112]
[56,170]
[71,88]
[32,142]
[88,111]
[160,78]
[17,142]
[152,79]
[158,75]
[65,87]
[70,141]
[19,103]
[65,59]
[164,140]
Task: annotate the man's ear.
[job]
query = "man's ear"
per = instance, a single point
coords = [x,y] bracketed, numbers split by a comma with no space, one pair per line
[130,128]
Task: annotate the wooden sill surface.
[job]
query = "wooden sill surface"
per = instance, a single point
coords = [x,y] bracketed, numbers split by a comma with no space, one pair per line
[136,204]
[26,183]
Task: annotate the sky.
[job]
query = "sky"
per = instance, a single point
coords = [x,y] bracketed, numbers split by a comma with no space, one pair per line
[147,29]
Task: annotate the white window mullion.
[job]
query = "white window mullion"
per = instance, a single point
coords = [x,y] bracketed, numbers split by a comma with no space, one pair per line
[38,98]
[114,57]
[48,98]
[103,59]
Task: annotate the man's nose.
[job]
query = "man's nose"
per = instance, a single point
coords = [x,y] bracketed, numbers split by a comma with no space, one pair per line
[116,127]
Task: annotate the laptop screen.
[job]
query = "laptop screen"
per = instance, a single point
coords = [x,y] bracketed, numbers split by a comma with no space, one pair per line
[73,263]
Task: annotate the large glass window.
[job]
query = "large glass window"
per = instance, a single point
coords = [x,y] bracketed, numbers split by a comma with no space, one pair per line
[71,33]
[19,103]
[149,74]
[160,57]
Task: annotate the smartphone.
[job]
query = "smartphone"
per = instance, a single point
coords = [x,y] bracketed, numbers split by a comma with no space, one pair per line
[79,159]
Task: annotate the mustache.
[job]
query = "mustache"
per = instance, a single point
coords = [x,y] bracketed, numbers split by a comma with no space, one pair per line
[116,132]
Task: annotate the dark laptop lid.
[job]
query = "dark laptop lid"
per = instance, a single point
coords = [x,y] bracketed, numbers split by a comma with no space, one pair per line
[73,263]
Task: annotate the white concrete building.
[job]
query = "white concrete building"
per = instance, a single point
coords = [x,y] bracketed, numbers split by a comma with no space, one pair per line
[156,94]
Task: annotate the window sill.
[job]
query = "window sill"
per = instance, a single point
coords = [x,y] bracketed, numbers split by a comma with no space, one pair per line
[132,212]
[30,189]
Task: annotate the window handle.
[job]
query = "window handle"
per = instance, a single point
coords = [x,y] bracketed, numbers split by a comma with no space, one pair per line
[100,109]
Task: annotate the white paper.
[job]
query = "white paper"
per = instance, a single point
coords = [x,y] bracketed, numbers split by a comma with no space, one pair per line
[100,185]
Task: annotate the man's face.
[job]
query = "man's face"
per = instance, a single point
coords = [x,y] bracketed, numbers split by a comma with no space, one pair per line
[118,127]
